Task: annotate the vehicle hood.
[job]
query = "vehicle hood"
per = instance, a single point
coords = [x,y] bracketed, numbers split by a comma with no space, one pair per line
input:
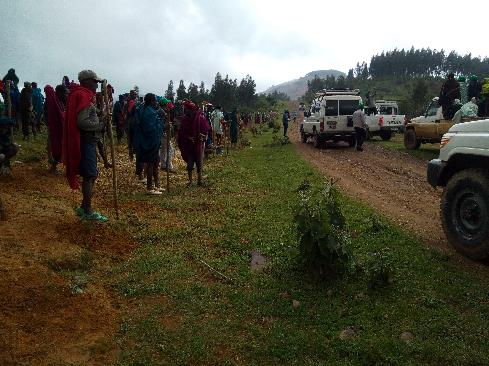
[417,119]
[473,126]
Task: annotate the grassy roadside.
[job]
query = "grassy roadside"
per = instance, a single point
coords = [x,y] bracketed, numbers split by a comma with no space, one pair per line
[182,312]
[425,152]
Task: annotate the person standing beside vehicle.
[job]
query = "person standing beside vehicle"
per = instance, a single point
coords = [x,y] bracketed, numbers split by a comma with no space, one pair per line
[285,121]
[360,125]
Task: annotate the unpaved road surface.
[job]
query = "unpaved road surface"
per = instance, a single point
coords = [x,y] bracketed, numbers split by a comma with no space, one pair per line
[392,182]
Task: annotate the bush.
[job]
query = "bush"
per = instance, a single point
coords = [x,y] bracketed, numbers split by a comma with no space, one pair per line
[324,242]
[378,270]
[279,140]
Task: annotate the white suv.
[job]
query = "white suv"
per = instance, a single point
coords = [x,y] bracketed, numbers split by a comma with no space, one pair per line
[463,169]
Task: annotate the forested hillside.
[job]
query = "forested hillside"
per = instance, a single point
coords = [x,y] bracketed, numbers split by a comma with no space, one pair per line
[411,77]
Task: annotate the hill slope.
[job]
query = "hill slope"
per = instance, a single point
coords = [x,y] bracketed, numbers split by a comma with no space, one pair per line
[298,87]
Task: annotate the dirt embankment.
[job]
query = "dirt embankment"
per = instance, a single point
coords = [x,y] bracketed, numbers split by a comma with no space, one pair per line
[392,182]
[55,308]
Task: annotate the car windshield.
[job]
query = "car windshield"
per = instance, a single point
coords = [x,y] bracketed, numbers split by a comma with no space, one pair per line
[433,108]
[347,107]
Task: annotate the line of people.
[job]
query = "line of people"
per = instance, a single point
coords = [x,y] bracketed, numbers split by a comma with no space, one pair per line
[76,116]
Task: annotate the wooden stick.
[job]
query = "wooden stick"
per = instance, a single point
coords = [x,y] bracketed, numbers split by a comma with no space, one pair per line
[168,139]
[3,213]
[112,147]
[9,108]
[214,270]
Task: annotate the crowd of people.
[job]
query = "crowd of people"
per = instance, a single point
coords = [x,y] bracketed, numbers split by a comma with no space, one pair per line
[77,115]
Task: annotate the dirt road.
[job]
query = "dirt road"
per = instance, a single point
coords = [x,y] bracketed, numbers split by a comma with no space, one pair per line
[392,182]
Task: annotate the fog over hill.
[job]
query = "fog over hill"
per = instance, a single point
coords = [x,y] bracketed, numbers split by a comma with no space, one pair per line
[298,87]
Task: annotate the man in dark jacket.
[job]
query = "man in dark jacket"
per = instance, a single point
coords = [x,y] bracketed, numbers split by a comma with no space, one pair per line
[450,91]
[26,111]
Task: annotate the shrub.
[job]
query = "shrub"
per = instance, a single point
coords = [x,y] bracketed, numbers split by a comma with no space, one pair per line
[324,242]
[378,270]
[279,140]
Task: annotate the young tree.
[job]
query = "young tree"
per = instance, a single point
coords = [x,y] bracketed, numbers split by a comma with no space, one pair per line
[246,91]
[169,93]
[193,93]
[181,91]
[419,95]
[203,92]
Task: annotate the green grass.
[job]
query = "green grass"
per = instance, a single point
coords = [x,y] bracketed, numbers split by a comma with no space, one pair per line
[183,313]
[425,152]
[32,150]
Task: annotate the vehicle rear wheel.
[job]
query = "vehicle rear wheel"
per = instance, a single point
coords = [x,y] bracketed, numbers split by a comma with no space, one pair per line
[316,141]
[385,135]
[351,141]
[411,142]
[465,212]
[303,137]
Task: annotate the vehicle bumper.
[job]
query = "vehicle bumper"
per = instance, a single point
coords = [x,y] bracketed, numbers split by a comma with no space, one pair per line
[335,135]
[434,171]
[395,128]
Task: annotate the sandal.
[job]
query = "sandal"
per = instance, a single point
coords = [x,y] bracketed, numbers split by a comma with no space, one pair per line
[79,211]
[95,216]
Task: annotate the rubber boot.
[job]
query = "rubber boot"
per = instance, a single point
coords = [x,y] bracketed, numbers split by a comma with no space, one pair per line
[200,182]
[189,178]
[87,192]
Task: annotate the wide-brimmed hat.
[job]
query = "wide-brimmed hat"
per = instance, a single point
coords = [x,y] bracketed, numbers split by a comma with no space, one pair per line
[88,74]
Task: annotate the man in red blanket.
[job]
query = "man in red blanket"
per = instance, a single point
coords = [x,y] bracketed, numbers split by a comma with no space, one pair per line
[80,140]
[191,137]
[54,114]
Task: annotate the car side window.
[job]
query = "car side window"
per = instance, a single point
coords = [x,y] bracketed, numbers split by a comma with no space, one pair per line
[331,108]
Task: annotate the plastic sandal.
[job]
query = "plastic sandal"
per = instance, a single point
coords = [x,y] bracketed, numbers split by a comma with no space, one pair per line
[96,216]
[79,211]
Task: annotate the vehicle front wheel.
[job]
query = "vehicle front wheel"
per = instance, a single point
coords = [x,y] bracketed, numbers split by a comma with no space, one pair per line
[303,137]
[385,135]
[411,142]
[465,212]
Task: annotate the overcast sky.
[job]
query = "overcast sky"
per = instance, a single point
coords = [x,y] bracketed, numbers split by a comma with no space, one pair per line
[149,42]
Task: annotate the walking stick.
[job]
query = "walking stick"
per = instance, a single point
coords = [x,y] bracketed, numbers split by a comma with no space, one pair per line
[112,148]
[3,214]
[9,108]
[168,139]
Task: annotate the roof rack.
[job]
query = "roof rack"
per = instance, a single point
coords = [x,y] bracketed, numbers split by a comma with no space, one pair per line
[385,101]
[338,92]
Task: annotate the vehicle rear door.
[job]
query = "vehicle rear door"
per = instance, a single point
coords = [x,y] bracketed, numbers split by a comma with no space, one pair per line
[346,109]
[331,115]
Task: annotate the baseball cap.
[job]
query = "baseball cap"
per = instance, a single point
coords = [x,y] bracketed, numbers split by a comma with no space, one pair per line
[88,74]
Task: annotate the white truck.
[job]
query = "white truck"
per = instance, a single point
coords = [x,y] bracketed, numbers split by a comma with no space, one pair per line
[331,117]
[384,120]
[463,170]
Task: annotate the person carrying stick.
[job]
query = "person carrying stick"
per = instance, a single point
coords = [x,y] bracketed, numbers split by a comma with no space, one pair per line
[80,141]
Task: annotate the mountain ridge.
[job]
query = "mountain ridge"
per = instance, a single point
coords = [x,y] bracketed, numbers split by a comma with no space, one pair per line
[296,88]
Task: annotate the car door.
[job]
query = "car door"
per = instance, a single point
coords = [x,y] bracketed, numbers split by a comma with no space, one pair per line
[432,118]
[331,115]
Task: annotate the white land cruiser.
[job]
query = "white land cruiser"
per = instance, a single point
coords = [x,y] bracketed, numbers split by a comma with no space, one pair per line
[332,121]
[384,120]
[463,169]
